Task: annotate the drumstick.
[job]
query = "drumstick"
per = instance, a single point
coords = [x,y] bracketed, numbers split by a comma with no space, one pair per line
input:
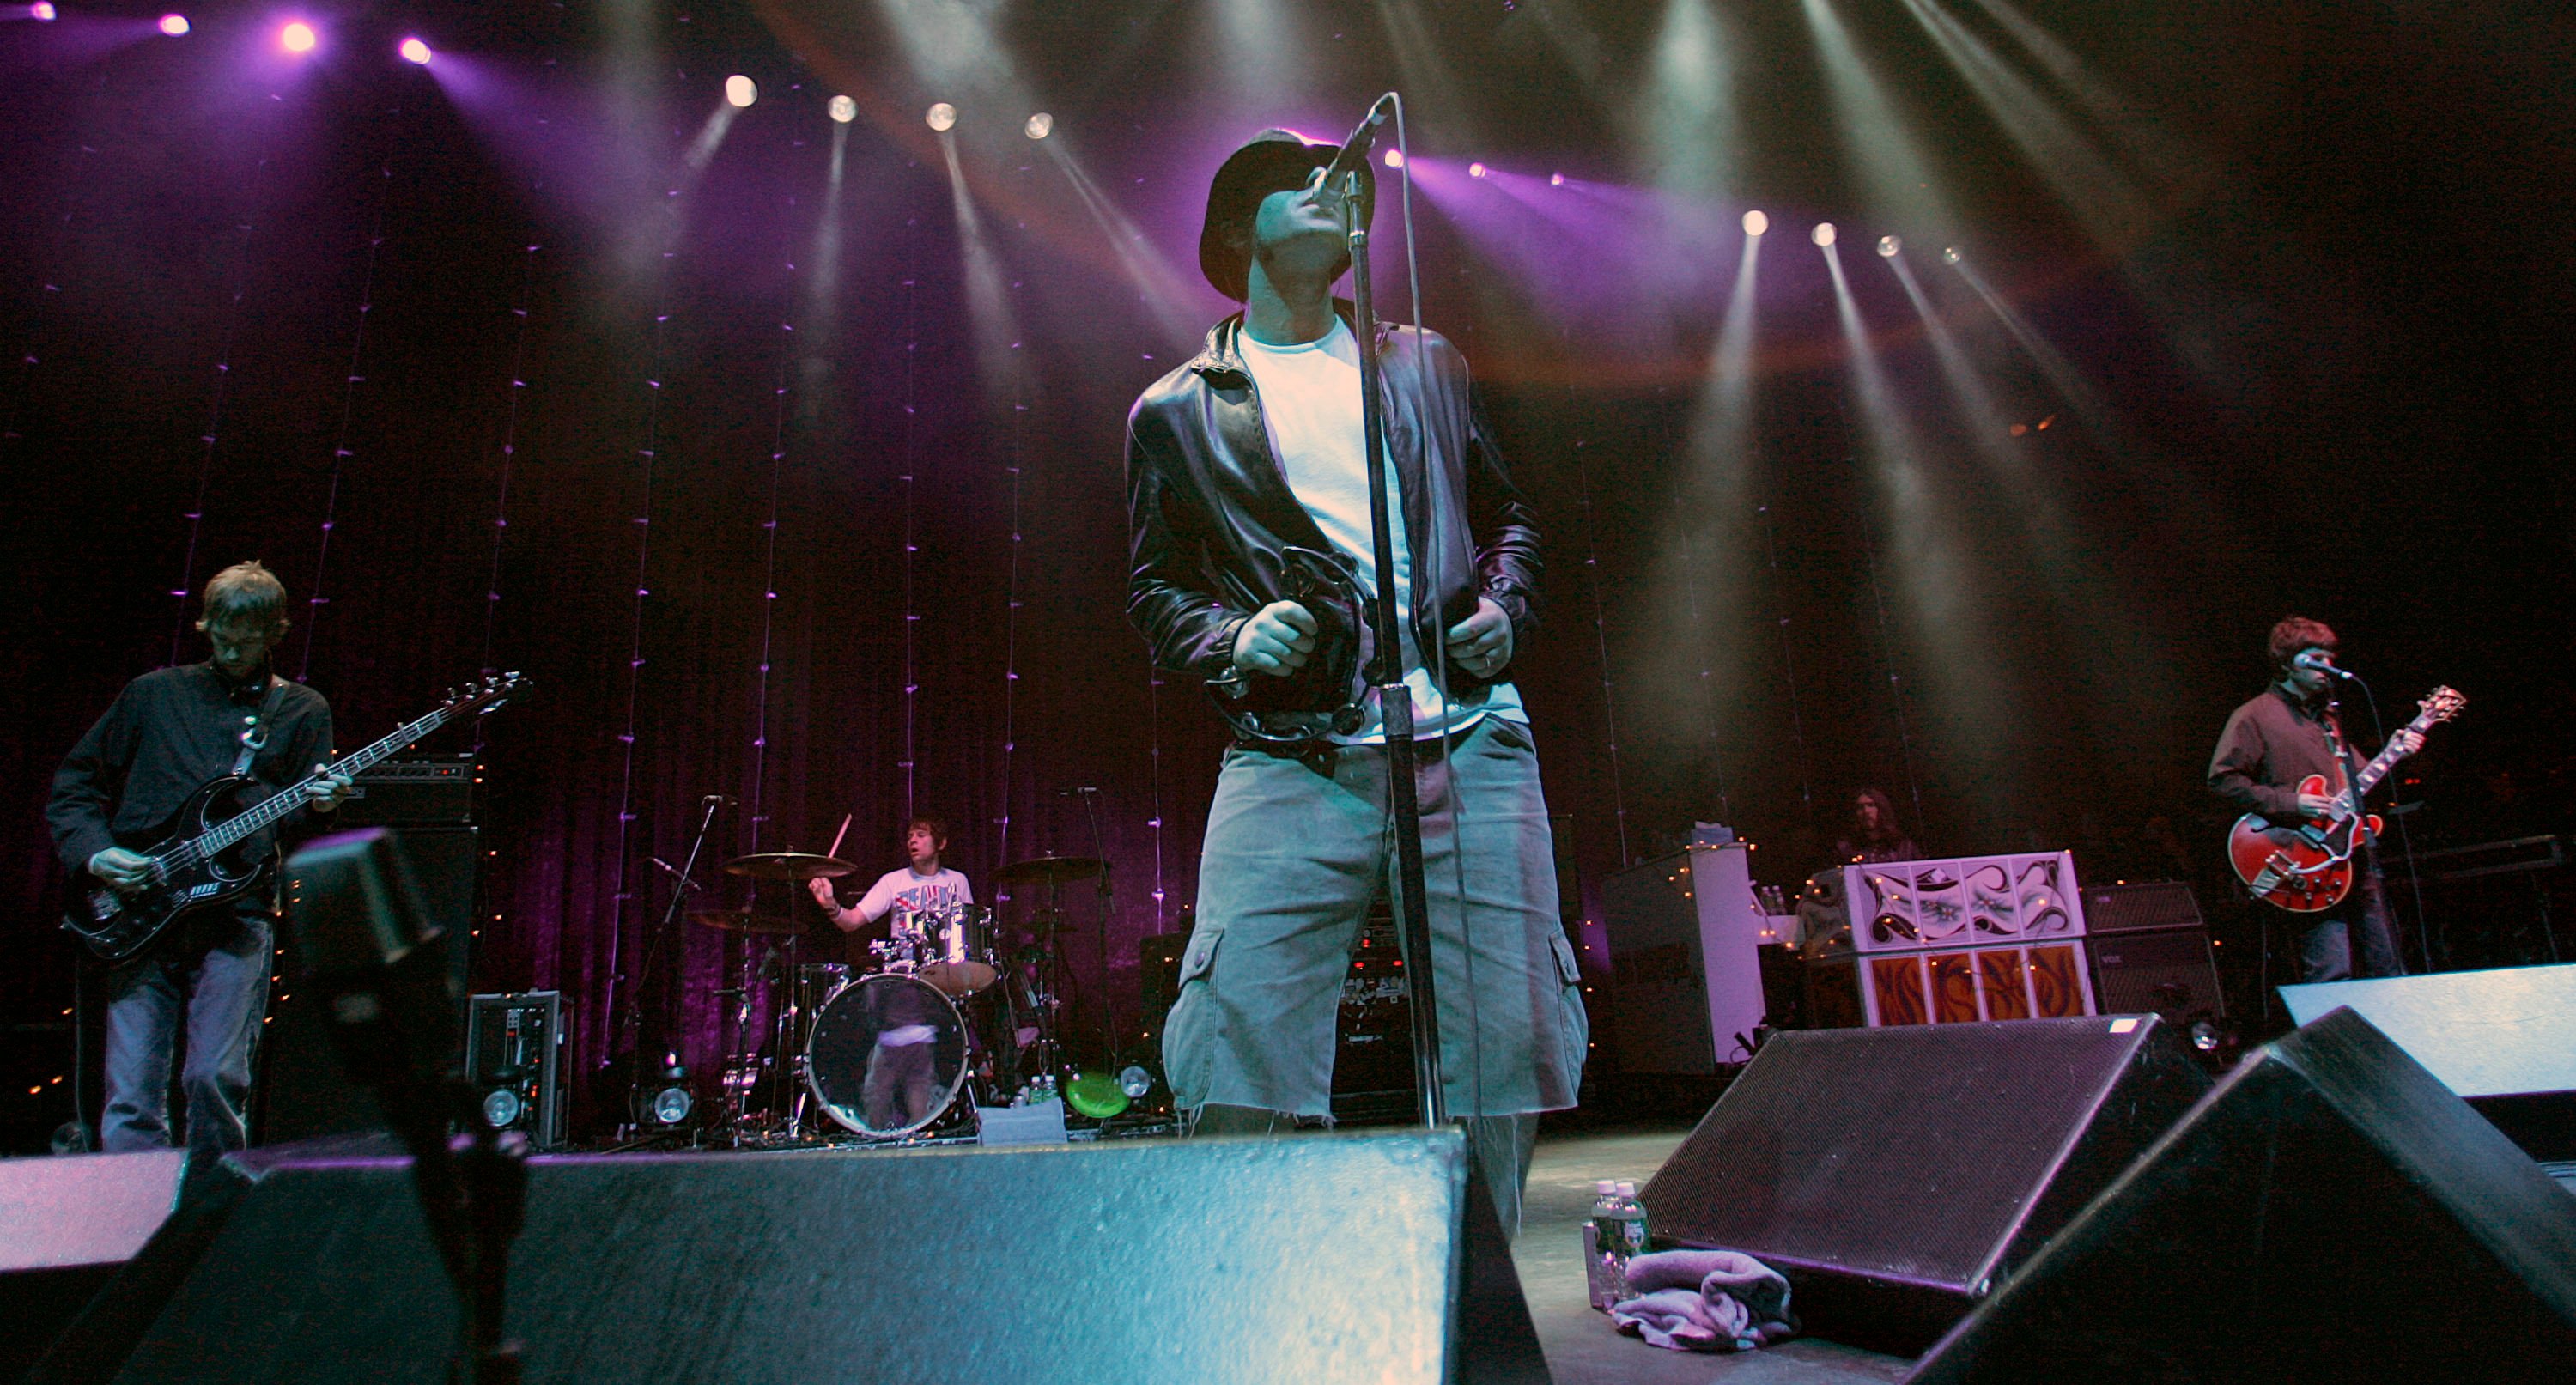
[837,836]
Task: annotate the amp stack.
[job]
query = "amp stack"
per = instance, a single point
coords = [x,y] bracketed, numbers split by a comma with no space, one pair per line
[2151,952]
[1955,941]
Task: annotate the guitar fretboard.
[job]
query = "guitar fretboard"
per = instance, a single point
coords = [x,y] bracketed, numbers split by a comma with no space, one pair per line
[273,809]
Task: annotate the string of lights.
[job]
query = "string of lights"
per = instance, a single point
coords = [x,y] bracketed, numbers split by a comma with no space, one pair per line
[509,463]
[758,799]
[341,453]
[1011,596]
[1601,648]
[1788,659]
[911,531]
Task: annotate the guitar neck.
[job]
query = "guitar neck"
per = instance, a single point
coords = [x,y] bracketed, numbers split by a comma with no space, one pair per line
[2387,757]
[272,810]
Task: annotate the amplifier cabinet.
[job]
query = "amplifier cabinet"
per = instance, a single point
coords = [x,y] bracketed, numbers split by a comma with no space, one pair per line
[1955,986]
[514,1058]
[1685,962]
[414,791]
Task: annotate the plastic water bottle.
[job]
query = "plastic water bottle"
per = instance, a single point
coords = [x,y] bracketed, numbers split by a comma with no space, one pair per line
[1628,1223]
[1604,1271]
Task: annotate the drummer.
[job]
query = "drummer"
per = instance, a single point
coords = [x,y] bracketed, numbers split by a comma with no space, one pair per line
[921,886]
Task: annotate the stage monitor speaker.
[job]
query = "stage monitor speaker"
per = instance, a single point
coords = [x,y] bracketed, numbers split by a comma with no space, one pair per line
[1316,1259]
[302,1093]
[2329,1213]
[1895,1174]
[66,1223]
[2505,1040]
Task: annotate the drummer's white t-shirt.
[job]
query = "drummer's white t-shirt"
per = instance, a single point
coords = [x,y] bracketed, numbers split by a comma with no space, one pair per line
[914,892]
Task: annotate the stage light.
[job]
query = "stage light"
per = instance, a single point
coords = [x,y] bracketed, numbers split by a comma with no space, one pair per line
[1755,223]
[1040,125]
[741,91]
[1888,246]
[1395,158]
[42,11]
[1950,255]
[1823,234]
[175,25]
[843,109]
[414,51]
[1476,170]
[1135,1081]
[297,37]
[1556,180]
[941,116]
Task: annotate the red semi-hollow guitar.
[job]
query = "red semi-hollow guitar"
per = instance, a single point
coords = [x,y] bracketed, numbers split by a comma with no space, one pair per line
[2304,865]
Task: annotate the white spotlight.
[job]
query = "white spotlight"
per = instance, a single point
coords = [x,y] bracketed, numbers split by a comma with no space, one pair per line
[1950,255]
[42,11]
[297,37]
[1476,170]
[1040,125]
[175,25]
[740,90]
[941,116]
[1755,223]
[1823,234]
[414,51]
[1888,246]
[1556,180]
[843,109]
[1395,158]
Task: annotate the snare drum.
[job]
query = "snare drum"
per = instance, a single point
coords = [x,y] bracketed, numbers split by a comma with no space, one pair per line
[959,941]
[887,1057]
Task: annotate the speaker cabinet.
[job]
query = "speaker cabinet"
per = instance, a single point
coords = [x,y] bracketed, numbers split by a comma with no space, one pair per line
[1896,1174]
[514,1058]
[2330,1212]
[2504,1040]
[1318,1259]
[2169,972]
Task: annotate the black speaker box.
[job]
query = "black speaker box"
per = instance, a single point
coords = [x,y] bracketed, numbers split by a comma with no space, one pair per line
[2169,972]
[2330,1212]
[1895,1174]
[1316,1259]
[301,1093]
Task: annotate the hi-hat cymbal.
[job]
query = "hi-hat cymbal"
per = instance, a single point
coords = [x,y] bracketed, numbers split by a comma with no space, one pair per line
[789,865]
[744,921]
[1050,870]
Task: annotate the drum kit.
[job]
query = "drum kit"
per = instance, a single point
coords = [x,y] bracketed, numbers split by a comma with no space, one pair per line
[906,1035]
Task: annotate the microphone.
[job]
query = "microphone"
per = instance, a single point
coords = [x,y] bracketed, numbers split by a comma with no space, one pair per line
[720,800]
[2319,661]
[1355,150]
[677,874]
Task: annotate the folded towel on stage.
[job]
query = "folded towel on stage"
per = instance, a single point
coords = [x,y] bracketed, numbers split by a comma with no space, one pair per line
[1705,1300]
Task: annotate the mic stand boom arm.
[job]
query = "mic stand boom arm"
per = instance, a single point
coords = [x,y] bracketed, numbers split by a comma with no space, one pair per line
[1394,699]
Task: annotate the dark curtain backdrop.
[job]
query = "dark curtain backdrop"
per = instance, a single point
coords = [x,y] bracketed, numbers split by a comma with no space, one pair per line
[812,533]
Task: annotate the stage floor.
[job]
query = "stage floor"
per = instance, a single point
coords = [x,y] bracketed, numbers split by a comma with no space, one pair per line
[1582,1348]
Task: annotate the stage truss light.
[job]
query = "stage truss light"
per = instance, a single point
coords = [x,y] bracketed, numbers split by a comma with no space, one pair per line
[941,116]
[297,37]
[843,110]
[1950,255]
[1888,246]
[1823,234]
[1556,180]
[1477,170]
[1755,223]
[43,12]
[415,51]
[175,25]
[741,91]
[1395,158]
[1040,125]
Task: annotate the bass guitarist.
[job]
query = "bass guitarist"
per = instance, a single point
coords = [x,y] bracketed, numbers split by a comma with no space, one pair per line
[170,732]
[2273,742]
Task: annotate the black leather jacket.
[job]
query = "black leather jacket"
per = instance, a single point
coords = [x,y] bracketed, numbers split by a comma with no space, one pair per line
[1208,509]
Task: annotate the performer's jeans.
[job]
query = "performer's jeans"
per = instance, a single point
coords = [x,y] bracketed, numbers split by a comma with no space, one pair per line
[1296,850]
[211,972]
[2326,946]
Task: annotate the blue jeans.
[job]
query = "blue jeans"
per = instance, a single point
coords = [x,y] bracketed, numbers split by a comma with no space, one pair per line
[1296,850]
[211,973]
[2326,946]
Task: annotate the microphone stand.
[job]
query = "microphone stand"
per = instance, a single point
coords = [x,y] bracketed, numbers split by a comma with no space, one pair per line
[1394,699]
[631,1025]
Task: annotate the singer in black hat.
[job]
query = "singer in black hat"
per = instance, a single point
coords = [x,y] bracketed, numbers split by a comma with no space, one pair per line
[1255,446]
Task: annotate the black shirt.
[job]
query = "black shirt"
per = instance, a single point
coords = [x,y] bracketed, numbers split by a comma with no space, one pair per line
[168,733]
[2270,744]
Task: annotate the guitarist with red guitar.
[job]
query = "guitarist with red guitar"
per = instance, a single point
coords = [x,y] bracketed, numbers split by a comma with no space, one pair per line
[171,733]
[2283,760]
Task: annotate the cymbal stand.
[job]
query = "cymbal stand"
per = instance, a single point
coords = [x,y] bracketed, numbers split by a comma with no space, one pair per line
[631,1024]
[1048,985]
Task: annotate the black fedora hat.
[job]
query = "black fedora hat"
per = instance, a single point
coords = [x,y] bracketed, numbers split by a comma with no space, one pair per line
[1272,161]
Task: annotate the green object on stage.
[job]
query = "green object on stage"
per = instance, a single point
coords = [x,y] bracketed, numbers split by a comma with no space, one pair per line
[1095,1094]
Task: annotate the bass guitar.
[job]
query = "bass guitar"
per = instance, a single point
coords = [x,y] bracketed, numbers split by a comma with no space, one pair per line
[201,861]
[2304,864]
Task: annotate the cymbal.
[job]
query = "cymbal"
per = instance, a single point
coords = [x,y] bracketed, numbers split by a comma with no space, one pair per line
[789,865]
[1050,870]
[744,921]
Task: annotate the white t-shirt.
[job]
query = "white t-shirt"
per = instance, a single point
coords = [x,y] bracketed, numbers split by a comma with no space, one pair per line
[1310,401]
[916,892]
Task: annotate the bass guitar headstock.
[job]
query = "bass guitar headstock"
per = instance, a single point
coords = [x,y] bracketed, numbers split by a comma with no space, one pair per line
[484,696]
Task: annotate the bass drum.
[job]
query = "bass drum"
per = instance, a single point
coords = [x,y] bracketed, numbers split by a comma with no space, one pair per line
[888,1056]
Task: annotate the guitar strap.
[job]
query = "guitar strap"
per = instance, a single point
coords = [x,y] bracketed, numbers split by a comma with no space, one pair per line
[254,737]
